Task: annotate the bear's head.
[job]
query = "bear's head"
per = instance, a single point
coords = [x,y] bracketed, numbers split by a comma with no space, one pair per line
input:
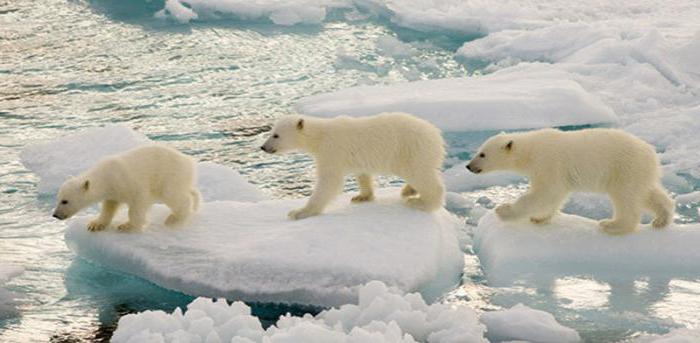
[497,153]
[74,195]
[286,135]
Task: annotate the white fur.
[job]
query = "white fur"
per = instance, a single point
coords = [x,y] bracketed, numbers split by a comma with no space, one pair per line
[138,178]
[385,144]
[594,160]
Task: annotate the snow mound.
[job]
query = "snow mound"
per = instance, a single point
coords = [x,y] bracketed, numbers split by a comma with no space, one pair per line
[521,323]
[56,160]
[7,298]
[381,315]
[251,251]
[492,102]
[512,251]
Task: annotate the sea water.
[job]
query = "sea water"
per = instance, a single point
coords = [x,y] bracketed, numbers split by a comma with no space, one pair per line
[212,88]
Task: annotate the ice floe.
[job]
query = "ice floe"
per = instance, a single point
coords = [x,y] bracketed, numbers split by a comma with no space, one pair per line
[251,251]
[498,101]
[571,245]
[378,314]
[57,159]
[521,323]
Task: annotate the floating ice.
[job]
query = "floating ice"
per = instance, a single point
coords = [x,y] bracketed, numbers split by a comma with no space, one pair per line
[7,298]
[521,323]
[279,12]
[251,251]
[381,315]
[56,160]
[495,101]
[513,251]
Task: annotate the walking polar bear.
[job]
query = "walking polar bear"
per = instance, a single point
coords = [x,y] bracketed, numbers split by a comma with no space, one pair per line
[594,160]
[388,143]
[138,178]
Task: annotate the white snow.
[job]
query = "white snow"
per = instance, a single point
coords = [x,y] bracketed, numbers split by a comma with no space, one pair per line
[521,323]
[251,251]
[382,314]
[7,298]
[393,47]
[498,101]
[571,245]
[57,159]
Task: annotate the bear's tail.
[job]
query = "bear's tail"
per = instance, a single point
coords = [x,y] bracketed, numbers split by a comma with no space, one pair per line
[662,205]
[196,199]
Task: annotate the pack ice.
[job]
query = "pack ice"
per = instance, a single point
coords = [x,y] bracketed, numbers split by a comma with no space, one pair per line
[571,245]
[495,101]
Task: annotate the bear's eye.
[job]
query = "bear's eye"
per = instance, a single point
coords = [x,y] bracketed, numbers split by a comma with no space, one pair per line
[482,155]
[275,136]
[64,202]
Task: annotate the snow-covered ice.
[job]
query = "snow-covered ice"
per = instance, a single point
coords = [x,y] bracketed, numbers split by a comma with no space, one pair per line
[251,251]
[681,335]
[571,245]
[379,314]
[498,101]
[521,323]
[57,159]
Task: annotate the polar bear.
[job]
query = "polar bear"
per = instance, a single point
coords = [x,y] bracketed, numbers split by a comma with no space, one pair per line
[386,144]
[592,160]
[138,178]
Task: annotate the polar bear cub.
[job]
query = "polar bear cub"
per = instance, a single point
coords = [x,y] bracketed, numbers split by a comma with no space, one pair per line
[138,178]
[384,144]
[593,160]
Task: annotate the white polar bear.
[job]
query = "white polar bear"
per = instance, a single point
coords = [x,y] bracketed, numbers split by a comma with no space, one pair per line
[386,144]
[138,178]
[593,160]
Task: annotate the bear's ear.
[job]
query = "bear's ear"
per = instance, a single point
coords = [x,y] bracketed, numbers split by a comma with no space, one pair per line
[86,185]
[300,124]
[509,146]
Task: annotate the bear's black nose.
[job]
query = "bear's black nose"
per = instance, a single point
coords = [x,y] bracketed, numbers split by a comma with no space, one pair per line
[263,148]
[469,167]
[57,216]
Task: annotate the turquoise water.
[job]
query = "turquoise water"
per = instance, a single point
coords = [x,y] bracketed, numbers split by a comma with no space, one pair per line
[211,89]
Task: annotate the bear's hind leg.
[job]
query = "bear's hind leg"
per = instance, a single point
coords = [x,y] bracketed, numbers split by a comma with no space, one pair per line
[366,188]
[626,214]
[430,189]
[109,208]
[181,206]
[662,205]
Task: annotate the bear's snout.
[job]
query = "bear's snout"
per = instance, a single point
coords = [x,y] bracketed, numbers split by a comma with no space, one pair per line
[58,216]
[473,169]
[267,150]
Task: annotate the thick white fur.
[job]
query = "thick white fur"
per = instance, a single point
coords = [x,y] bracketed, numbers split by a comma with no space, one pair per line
[594,160]
[385,144]
[138,178]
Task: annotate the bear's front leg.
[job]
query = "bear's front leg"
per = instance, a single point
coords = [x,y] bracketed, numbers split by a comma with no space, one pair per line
[137,217]
[540,203]
[366,188]
[328,185]
[109,208]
